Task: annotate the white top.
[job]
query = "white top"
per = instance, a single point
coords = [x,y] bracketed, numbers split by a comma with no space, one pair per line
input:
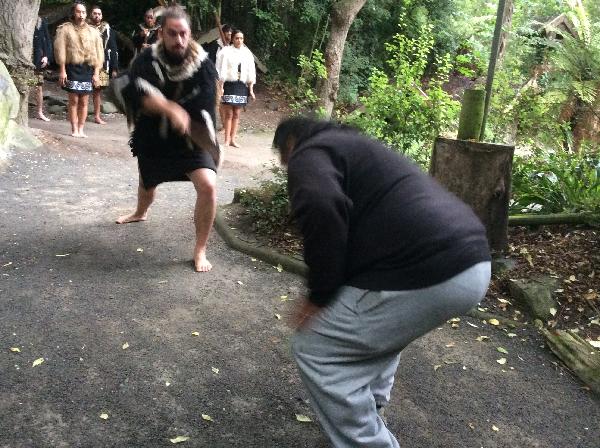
[230,58]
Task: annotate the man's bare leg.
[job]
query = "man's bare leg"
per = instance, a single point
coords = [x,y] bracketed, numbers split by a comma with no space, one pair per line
[205,181]
[39,93]
[82,109]
[72,110]
[97,99]
[144,200]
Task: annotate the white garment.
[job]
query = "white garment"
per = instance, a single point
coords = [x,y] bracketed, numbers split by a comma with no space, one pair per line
[230,58]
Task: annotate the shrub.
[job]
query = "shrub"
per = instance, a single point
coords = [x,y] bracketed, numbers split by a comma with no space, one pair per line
[554,181]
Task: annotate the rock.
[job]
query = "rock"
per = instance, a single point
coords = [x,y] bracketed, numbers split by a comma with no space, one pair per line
[503,264]
[536,294]
[11,134]
[57,109]
[53,100]
[109,108]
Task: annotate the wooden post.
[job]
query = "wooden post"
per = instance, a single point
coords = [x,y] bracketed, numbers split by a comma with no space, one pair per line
[471,114]
[492,65]
[479,174]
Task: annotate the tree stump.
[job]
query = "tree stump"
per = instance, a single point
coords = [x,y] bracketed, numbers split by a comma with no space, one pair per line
[480,174]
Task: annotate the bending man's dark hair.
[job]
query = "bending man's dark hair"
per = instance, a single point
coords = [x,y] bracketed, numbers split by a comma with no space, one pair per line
[300,128]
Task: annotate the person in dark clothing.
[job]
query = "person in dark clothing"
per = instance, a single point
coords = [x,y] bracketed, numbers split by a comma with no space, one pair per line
[391,256]
[111,58]
[212,48]
[42,58]
[147,32]
[172,89]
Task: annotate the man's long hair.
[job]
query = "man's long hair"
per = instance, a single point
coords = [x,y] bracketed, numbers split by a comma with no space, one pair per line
[299,129]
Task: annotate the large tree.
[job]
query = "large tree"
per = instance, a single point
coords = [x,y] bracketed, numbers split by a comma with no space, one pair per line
[343,13]
[16,39]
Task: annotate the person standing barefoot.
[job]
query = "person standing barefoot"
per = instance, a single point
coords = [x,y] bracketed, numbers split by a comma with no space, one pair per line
[42,58]
[237,76]
[79,54]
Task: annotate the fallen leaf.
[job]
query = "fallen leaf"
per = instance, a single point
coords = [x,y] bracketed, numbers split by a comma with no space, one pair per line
[279,268]
[590,296]
[195,333]
[37,362]
[473,325]
[139,249]
[207,417]
[15,349]
[303,418]
[502,350]
[104,416]
[125,346]
[501,361]
[162,282]
[253,259]
[471,425]
[552,311]
[511,335]
[436,367]
[504,301]
[454,325]
[494,322]
[167,384]
[452,344]
[595,344]
[283,298]
[62,255]
[239,282]
[179,439]
[215,370]
[7,264]
[278,316]
[572,278]
[454,319]
[495,428]
[482,338]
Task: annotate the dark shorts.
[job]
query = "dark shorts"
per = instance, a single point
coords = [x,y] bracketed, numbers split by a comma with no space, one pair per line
[156,170]
[235,93]
[79,78]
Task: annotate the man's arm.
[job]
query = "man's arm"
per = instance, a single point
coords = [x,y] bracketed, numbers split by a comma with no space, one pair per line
[158,105]
[322,211]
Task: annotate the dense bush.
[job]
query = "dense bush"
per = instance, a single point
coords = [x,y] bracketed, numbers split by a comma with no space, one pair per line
[554,182]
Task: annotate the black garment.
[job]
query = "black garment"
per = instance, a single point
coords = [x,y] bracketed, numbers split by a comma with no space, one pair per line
[212,48]
[79,78]
[372,219]
[111,52]
[42,44]
[235,93]
[163,154]
[139,40]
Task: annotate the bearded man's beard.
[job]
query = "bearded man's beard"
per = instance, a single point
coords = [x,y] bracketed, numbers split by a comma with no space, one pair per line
[176,58]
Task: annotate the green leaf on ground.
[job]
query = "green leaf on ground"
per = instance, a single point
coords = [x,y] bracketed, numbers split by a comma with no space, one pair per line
[303,418]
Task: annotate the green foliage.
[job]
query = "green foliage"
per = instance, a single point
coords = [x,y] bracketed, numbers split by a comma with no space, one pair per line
[402,111]
[311,71]
[268,205]
[554,181]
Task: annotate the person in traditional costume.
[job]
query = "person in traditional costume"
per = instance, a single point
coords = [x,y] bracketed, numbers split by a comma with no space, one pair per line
[171,95]
[237,76]
[147,33]
[111,58]
[42,58]
[79,54]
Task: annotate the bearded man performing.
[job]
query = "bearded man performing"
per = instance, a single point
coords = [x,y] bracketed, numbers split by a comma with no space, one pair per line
[171,97]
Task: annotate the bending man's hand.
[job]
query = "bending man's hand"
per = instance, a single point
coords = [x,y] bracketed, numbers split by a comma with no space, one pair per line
[303,313]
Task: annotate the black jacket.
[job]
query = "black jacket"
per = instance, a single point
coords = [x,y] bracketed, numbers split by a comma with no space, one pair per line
[372,219]
[42,44]
[111,52]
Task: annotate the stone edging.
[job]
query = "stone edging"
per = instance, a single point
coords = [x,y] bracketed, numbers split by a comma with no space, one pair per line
[298,267]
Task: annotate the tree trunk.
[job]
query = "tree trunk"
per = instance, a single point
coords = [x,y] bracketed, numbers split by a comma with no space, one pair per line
[342,15]
[506,24]
[16,44]
[479,174]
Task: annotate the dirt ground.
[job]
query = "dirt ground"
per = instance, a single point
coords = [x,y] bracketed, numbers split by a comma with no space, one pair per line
[109,338]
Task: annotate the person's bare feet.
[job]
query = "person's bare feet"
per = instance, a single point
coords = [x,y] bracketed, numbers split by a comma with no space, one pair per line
[42,117]
[75,134]
[132,217]
[82,135]
[201,264]
[99,120]
[234,144]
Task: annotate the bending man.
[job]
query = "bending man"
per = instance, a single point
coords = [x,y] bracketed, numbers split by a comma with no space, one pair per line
[172,87]
[391,256]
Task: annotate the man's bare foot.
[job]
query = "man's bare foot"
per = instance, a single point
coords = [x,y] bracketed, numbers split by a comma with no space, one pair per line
[42,117]
[201,264]
[234,144]
[126,219]
[99,120]
[75,134]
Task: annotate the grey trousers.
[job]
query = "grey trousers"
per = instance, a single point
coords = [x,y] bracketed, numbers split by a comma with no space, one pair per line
[348,354]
